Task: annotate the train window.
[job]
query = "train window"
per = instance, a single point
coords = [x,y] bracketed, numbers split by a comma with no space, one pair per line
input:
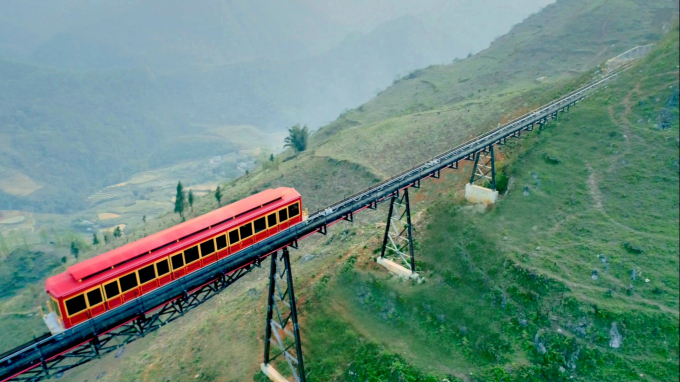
[111,289]
[260,225]
[75,305]
[128,282]
[246,230]
[233,237]
[94,297]
[221,241]
[55,307]
[271,220]
[162,267]
[283,215]
[177,261]
[146,274]
[293,210]
[191,254]
[207,247]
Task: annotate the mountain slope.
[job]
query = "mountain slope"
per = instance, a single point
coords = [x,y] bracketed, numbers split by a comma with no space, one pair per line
[509,294]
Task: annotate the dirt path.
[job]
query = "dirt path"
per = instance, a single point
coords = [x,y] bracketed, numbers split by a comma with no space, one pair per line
[593,189]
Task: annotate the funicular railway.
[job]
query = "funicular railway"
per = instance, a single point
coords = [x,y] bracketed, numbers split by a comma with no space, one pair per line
[52,355]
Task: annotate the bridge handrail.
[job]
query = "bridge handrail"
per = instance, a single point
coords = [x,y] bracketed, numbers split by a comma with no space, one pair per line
[542,110]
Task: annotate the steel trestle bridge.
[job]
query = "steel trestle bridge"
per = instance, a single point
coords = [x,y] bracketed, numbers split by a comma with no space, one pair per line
[50,356]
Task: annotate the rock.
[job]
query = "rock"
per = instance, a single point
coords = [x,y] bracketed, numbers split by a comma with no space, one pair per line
[462,330]
[307,258]
[196,376]
[523,322]
[534,228]
[525,191]
[562,369]
[595,275]
[647,280]
[603,258]
[253,293]
[100,375]
[441,318]
[540,348]
[538,248]
[571,363]
[633,274]
[579,331]
[615,338]
[505,238]
[119,352]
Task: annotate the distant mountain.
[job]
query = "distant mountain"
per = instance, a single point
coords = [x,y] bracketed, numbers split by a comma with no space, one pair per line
[94,91]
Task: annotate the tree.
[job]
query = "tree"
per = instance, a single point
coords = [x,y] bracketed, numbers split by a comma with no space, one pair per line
[179,200]
[106,239]
[74,250]
[271,157]
[95,240]
[191,200]
[297,138]
[218,196]
[144,219]
[117,232]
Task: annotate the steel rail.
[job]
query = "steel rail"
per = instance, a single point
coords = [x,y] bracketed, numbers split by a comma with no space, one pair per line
[38,352]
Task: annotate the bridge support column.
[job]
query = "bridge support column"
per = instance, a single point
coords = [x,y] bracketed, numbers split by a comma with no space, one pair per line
[282,328]
[398,239]
[482,186]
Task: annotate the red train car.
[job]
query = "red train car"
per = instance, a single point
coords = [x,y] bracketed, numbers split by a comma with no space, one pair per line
[106,281]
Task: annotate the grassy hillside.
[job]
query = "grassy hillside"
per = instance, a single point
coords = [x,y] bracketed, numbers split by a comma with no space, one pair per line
[351,307]
[586,240]
[509,293]
[431,110]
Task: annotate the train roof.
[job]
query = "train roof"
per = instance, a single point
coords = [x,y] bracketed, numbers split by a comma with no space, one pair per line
[60,284]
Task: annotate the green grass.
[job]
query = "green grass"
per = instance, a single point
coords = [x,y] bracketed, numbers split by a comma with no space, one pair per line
[468,320]
[499,282]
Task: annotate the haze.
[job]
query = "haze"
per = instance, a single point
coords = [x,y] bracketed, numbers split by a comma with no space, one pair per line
[94,93]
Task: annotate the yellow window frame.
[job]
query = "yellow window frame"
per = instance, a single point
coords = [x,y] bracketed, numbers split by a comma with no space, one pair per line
[299,212]
[172,267]
[87,302]
[78,312]
[127,274]
[154,273]
[200,251]
[198,246]
[54,306]
[252,229]
[226,238]
[104,289]
[155,266]
[265,224]
[229,236]
[87,299]
[276,216]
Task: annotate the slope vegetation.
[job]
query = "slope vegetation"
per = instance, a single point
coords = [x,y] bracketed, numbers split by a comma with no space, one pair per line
[475,317]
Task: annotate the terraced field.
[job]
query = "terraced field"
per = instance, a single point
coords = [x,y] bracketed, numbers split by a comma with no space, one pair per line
[111,192]
[16,183]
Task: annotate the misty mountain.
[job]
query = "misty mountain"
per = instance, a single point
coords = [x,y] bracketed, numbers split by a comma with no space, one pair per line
[93,92]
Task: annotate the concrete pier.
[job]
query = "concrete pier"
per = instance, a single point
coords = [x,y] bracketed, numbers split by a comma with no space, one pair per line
[272,374]
[396,268]
[477,194]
